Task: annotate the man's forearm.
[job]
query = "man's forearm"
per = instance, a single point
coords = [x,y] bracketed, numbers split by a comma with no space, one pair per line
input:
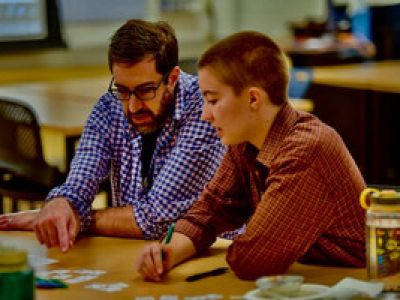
[23,220]
[115,221]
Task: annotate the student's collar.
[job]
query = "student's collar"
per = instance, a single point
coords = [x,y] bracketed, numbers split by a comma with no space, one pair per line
[283,122]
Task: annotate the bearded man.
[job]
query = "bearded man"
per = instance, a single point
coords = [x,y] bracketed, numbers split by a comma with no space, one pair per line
[146,134]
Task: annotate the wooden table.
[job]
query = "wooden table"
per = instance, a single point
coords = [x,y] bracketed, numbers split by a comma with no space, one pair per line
[362,102]
[383,76]
[63,107]
[117,257]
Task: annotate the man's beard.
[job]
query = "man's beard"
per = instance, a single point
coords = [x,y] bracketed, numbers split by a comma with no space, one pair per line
[157,120]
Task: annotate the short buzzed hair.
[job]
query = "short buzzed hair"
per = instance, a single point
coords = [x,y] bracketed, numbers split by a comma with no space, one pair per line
[246,59]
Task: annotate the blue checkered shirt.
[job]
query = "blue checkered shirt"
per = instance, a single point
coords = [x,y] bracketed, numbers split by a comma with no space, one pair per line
[185,158]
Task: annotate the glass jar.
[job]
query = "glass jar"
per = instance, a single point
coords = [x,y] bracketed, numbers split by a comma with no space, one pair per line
[16,276]
[383,236]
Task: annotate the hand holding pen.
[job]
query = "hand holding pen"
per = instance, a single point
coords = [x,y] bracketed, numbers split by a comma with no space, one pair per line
[167,239]
[155,258]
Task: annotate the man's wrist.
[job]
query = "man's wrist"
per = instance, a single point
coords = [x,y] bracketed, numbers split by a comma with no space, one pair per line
[24,220]
[92,221]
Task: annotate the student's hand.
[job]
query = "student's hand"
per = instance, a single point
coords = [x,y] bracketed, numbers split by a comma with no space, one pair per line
[23,220]
[57,224]
[154,261]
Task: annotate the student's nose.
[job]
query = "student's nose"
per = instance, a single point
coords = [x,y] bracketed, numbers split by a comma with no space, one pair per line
[206,113]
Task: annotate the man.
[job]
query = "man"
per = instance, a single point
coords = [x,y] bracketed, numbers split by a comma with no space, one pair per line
[286,175]
[146,133]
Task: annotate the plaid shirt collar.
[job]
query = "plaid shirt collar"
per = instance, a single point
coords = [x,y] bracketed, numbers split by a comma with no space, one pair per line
[181,86]
[283,123]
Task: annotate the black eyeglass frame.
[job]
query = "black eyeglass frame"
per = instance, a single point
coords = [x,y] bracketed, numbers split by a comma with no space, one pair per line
[116,95]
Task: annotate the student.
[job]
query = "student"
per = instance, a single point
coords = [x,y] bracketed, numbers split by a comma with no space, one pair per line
[286,175]
[146,133]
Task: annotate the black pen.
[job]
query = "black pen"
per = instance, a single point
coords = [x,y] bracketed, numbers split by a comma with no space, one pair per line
[215,272]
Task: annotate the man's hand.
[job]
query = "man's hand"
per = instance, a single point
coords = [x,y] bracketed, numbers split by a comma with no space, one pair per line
[154,261]
[23,220]
[57,224]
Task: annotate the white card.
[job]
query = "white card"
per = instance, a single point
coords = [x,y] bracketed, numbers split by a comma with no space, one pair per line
[108,287]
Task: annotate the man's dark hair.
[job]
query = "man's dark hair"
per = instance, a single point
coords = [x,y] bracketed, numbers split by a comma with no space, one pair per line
[137,39]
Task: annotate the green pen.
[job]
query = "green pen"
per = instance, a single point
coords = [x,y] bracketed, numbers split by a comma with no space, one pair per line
[169,233]
[168,237]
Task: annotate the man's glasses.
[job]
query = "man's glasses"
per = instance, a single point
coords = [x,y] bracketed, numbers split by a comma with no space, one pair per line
[141,92]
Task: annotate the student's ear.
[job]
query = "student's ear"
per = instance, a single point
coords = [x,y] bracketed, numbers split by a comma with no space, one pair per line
[255,98]
[173,77]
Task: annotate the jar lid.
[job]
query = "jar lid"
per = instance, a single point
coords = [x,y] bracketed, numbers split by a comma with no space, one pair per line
[12,256]
[385,197]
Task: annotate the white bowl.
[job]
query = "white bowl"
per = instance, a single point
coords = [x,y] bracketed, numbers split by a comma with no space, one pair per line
[305,292]
[284,285]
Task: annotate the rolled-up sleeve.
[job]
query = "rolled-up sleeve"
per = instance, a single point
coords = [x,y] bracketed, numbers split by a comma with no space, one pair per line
[90,164]
[222,206]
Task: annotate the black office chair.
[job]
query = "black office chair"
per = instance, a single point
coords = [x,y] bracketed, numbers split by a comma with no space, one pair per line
[24,175]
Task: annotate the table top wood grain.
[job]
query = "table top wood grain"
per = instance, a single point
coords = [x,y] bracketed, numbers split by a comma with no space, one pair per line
[117,257]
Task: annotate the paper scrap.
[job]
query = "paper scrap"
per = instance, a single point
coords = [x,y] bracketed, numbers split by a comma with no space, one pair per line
[169,297]
[108,287]
[37,261]
[72,276]
[204,297]
[349,287]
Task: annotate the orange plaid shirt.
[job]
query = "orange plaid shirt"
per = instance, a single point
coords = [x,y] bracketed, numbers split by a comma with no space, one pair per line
[298,197]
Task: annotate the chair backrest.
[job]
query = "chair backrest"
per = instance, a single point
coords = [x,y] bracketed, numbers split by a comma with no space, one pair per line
[19,131]
[21,155]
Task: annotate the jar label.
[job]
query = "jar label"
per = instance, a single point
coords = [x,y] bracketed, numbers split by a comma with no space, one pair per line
[387,251]
[384,255]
